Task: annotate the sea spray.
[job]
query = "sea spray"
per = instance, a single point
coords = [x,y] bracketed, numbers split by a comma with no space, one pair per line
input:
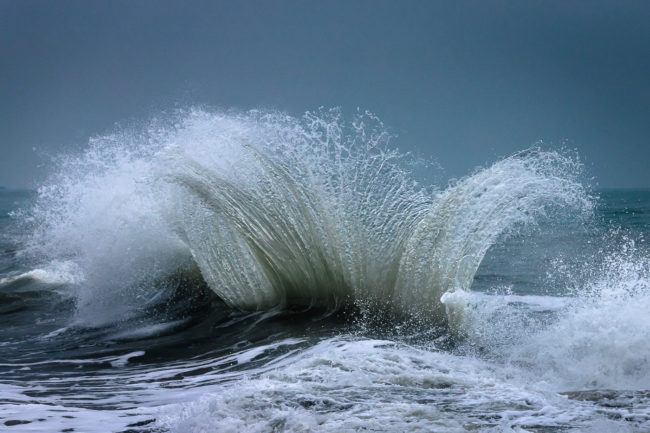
[274,210]
[599,340]
[593,337]
[451,239]
[144,224]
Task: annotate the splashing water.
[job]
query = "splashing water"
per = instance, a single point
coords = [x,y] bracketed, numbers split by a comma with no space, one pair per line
[600,339]
[274,211]
[268,212]
[594,339]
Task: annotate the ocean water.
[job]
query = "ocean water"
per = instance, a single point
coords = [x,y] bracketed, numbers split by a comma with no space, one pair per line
[225,272]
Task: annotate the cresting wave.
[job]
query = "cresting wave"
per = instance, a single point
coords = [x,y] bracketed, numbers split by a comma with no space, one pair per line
[275,210]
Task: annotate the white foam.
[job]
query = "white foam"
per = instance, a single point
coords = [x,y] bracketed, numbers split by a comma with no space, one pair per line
[347,385]
[276,210]
[601,339]
[594,339]
[338,384]
[56,273]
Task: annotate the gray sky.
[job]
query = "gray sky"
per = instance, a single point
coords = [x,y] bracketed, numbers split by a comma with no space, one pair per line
[464,82]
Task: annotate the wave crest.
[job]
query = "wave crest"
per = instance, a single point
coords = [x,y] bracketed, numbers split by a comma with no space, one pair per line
[275,210]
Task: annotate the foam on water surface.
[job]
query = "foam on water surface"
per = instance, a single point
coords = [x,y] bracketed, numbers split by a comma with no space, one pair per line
[276,215]
[347,385]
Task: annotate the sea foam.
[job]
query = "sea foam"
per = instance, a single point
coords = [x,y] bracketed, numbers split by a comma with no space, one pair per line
[274,210]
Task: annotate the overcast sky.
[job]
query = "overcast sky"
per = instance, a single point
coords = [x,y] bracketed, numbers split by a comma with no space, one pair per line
[462,82]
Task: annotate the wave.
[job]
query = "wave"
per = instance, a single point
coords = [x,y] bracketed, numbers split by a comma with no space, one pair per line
[592,339]
[599,341]
[274,210]
[56,273]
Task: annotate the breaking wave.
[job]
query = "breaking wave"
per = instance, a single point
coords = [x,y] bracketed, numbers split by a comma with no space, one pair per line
[273,211]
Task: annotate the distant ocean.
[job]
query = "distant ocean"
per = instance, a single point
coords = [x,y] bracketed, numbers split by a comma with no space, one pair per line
[255,272]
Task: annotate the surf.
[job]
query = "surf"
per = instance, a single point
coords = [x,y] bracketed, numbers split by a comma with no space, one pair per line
[273,211]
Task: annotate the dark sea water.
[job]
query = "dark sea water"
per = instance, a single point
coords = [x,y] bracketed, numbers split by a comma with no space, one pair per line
[255,272]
